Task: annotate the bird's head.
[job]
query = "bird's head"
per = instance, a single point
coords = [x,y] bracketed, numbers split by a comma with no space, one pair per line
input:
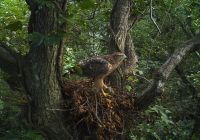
[119,57]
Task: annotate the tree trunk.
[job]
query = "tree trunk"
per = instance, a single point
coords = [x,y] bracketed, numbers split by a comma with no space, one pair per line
[41,72]
[121,40]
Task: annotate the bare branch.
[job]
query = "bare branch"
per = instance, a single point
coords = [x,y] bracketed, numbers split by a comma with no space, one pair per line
[152,18]
[142,77]
[133,18]
[157,86]
[197,54]
[8,61]
[177,57]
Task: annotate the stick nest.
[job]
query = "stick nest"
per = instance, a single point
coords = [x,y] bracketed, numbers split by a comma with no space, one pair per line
[104,117]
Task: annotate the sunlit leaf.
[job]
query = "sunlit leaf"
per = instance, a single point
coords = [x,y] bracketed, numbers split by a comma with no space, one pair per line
[128,88]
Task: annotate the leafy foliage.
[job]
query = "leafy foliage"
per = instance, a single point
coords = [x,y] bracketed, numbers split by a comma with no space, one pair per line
[13,31]
[171,117]
[13,123]
[157,123]
[13,24]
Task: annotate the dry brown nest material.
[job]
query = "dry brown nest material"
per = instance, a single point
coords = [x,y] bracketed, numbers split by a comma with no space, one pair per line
[103,115]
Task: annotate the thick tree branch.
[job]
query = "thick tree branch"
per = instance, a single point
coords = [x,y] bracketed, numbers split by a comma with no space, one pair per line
[157,86]
[119,24]
[8,60]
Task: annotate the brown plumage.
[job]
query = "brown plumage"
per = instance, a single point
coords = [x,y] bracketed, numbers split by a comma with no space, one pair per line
[100,67]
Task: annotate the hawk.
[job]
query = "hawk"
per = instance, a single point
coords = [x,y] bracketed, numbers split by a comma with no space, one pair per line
[100,67]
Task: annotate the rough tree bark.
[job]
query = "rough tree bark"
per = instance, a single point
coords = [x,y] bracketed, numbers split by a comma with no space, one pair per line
[120,23]
[40,70]
[8,61]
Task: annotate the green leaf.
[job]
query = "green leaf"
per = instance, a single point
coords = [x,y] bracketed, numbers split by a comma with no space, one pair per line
[128,88]
[32,135]
[156,136]
[52,39]
[36,38]
[1,104]
[87,4]
[14,26]
[130,78]
[194,137]
[140,72]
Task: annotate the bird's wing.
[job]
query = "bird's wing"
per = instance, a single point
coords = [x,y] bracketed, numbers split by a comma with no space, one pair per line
[94,67]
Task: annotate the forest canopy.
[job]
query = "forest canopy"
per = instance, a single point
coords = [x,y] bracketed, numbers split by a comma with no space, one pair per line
[154,93]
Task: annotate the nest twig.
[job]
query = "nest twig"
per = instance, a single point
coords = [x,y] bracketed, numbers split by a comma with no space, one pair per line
[105,115]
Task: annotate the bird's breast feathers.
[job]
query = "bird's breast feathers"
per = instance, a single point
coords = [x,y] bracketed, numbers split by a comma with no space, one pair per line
[95,66]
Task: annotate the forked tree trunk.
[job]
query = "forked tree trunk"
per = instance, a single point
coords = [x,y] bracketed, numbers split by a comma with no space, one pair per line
[121,40]
[41,72]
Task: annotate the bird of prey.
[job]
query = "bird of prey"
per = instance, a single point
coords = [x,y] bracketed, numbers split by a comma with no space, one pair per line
[100,67]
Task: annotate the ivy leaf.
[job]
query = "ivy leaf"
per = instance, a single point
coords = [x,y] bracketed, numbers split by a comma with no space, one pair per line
[14,26]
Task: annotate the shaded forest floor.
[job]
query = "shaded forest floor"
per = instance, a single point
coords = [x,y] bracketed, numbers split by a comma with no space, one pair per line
[96,114]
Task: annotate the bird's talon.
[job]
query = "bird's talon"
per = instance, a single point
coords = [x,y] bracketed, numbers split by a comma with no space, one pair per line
[106,94]
[110,90]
